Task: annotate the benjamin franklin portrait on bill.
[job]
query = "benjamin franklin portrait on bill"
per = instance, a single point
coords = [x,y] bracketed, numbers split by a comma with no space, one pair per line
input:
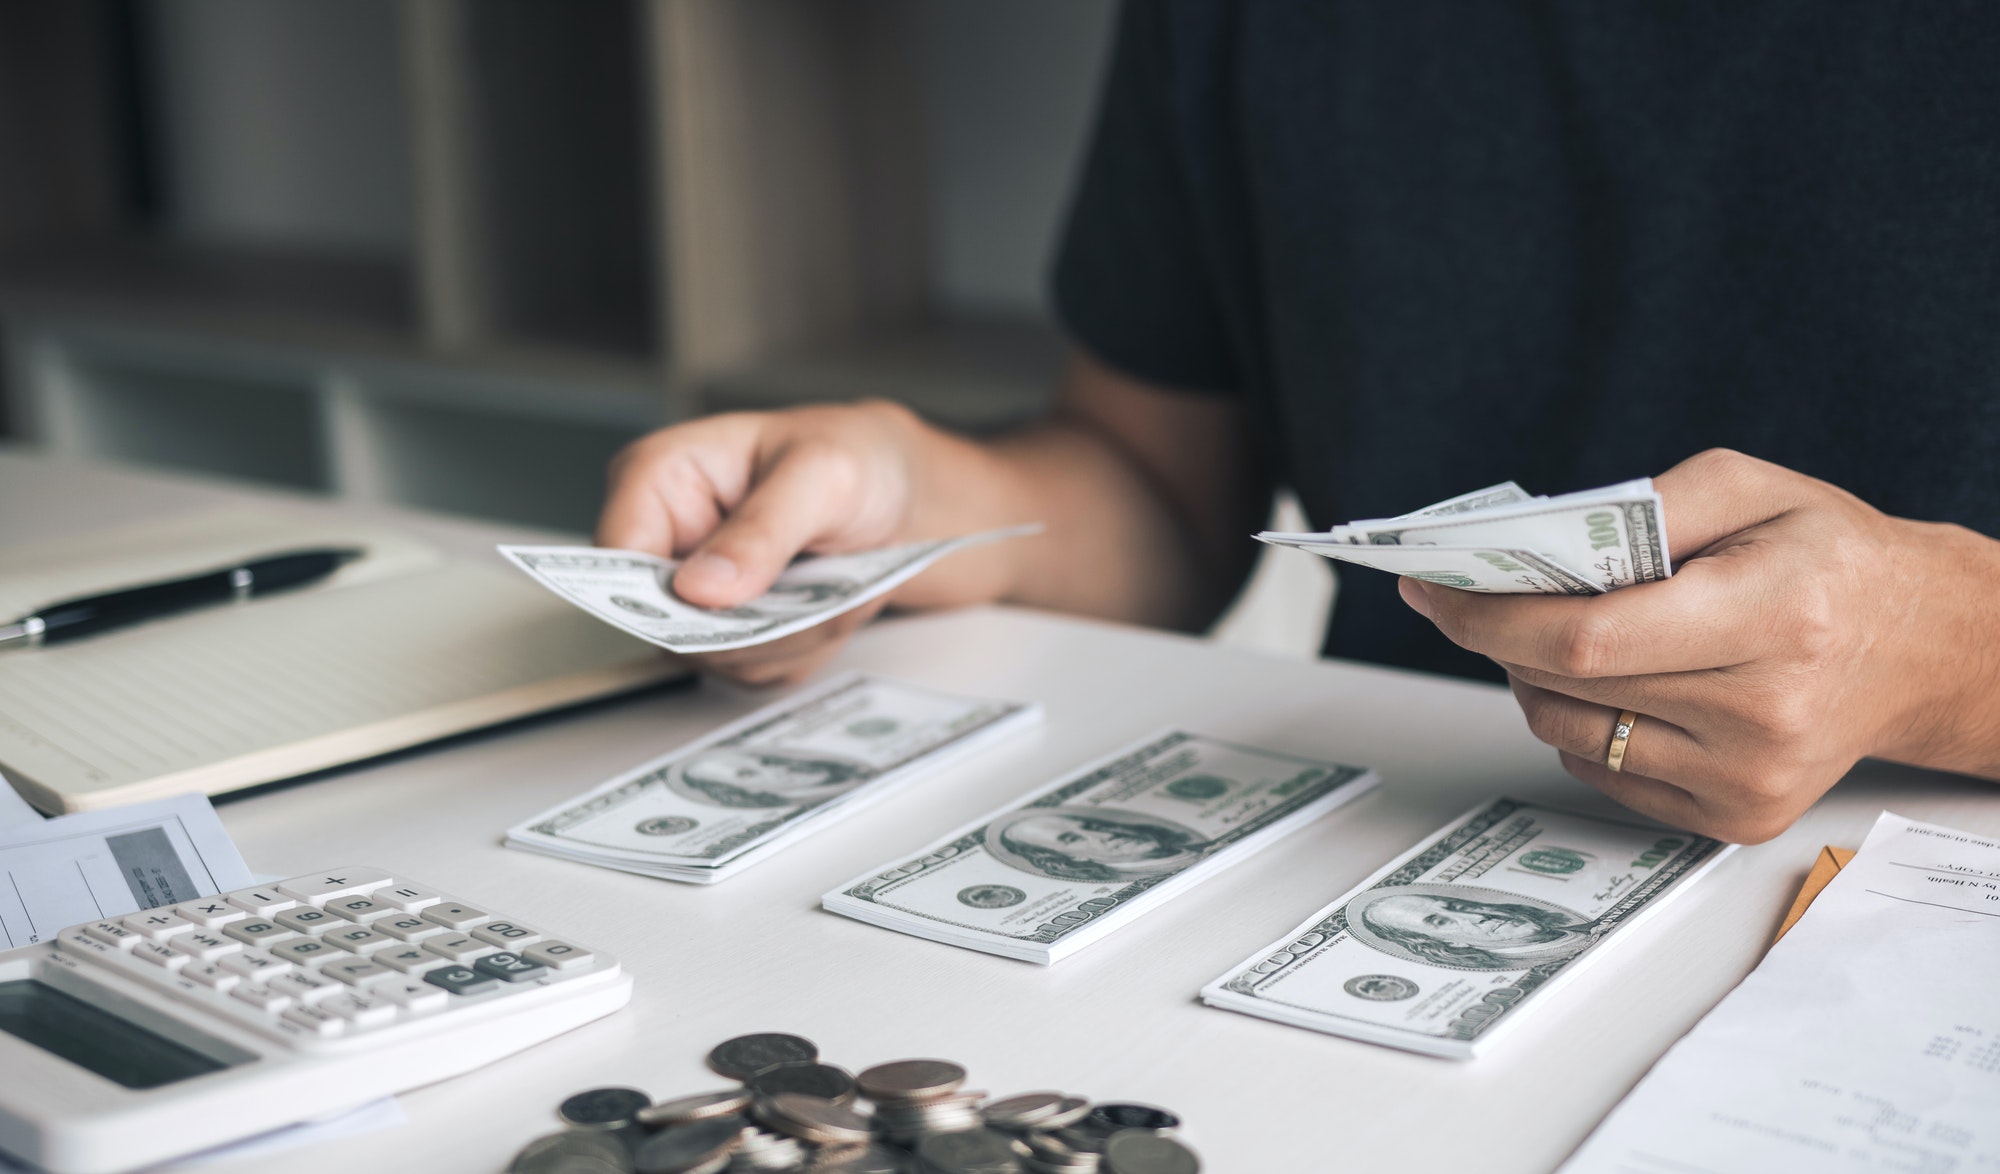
[1465,927]
[725,777]
[1100,844]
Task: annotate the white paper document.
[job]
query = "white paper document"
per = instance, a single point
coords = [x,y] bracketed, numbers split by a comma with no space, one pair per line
[1867,1040]
[60,872]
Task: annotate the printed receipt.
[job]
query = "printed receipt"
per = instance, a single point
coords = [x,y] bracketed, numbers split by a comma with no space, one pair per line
[1867,1040]
[74,868]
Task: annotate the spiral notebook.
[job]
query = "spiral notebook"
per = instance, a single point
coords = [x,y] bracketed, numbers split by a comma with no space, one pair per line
[400,647]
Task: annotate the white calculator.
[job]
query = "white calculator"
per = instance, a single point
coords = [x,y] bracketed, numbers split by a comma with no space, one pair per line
[132,1040]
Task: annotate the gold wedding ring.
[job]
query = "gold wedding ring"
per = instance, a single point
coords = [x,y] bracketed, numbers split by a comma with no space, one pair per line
[1620,735]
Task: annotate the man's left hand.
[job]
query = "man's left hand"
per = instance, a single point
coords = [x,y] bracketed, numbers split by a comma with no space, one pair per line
[1803,631]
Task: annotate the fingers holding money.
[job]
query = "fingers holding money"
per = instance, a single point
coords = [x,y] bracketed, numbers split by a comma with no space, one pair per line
[1702,618]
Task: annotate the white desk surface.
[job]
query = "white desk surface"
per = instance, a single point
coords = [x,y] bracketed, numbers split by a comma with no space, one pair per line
[1119,1020]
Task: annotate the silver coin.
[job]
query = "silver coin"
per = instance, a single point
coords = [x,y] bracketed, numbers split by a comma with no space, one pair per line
[975,1151]
[603,1108]
[870,1159]
[571,1152]
[747,1055]
[911,1079]
[1026,1110]
[812,1119]
[1141,1151]
[701,1106]
[1131,1116]
[1074,1109]
[814,1080]
[687,1148]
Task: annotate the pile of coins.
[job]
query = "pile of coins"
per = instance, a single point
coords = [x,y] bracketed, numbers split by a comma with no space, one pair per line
[791,1112]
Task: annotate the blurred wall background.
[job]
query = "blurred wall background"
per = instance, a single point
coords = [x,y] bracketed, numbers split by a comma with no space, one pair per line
[452,254]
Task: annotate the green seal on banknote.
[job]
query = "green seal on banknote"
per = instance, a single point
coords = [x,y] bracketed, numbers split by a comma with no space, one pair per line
[1445,578]
[1554,861]
[665,825]
[872,727]
[1198,788]
[991,896]
[1380,988]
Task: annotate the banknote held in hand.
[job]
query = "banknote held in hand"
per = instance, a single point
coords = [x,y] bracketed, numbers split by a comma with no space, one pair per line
[1503,540]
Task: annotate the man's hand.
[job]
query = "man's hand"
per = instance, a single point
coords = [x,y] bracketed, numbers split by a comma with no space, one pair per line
[1145,493]
[1802,631]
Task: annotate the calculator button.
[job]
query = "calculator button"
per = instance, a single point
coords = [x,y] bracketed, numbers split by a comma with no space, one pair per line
[458,947]
[315,1022]
[210,974]
[407,927]
[159,955]
[360,1010]
[461,980]
[304,987]
[362,909]
[158,925]
[412,995]
[307,919]
[408,897]
[510,934]
[304,950]
[203,945]
[322,886]
[509,966]
[262,997]
[405,958]
[358,938]
[452,915]
[112,934]
[76,940]
[254,965]
[355,971]
[560,955]
[211,913]
[262,902]
[256,931]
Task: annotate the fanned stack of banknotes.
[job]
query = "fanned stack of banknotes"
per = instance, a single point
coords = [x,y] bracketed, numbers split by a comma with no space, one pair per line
[1434,953]
[1502,539]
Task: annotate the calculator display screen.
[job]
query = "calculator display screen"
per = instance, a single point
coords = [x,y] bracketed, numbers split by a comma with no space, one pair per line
[114,1048]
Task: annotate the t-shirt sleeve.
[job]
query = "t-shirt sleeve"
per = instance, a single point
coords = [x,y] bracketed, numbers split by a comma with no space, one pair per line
[1130,284]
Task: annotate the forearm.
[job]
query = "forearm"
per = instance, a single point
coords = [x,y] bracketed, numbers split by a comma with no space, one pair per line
[1953,675]
[1146,496]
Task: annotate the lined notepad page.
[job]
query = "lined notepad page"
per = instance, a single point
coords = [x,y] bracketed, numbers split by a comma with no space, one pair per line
[404,646]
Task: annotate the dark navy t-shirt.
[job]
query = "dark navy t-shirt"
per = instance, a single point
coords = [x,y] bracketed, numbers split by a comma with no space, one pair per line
[1436,244]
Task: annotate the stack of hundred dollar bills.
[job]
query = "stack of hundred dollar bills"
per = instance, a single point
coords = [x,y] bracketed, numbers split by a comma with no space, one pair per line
[1055,871]
[1456,938]
[1502,539]
[710,809]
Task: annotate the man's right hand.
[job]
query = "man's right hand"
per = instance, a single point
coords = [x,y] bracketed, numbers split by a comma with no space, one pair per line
[1144,492]
[738,496]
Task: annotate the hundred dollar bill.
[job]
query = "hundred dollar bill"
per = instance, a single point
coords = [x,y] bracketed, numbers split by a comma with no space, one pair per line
[1469,568]
[717,806]
[1505,493]
[632,590]
[1058,870]
[1612,537]
[1455,939]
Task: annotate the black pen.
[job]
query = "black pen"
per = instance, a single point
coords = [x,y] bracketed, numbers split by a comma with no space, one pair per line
[92,614]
